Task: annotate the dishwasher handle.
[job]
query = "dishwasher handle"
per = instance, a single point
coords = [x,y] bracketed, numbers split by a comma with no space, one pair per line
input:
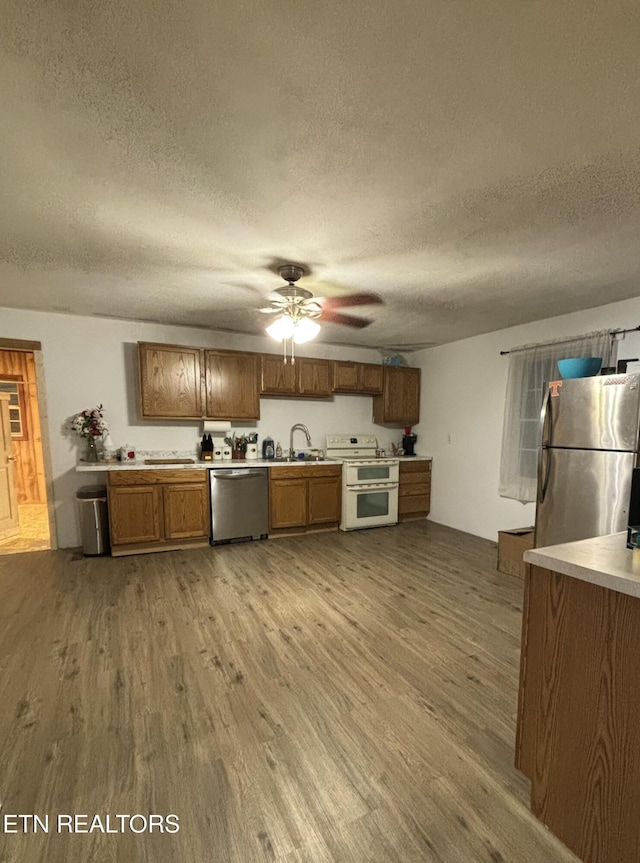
[237,474]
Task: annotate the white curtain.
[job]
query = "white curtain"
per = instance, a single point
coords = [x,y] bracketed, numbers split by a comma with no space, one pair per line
[530,367]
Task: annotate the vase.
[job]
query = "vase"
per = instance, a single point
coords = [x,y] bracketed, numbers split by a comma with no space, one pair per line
[91,452]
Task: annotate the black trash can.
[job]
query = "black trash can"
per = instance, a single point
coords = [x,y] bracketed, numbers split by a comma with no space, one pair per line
[94,519]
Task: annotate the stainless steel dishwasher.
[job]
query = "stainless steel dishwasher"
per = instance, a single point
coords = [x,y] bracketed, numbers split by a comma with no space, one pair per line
[239,504]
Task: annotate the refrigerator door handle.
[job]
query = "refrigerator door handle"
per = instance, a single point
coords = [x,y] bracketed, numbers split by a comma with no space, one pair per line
[544,464]
[543,457]
[545,417]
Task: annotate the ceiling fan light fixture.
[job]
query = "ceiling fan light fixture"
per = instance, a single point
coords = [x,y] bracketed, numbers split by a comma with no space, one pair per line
[305,330]
[282,328]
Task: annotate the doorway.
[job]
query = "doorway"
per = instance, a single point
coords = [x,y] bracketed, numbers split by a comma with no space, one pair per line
[26,480]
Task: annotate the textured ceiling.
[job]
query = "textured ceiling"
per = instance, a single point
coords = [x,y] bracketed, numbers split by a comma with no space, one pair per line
[475,164]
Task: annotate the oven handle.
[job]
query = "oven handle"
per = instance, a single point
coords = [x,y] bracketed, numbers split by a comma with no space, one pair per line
[372,486]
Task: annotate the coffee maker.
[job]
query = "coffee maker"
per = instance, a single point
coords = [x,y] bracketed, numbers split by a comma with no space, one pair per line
[409,441]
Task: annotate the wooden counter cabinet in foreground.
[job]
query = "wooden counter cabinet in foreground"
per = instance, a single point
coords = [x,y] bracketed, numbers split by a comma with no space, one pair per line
[158,510]
[578,735]
[304,498]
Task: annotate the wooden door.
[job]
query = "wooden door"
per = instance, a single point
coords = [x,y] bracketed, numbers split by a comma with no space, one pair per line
[287,503]
[324,500]
[9,525]
[346,377]
[135,514]
[370,378]
[232,385]
[313,377]
[278,379]
[170,381]
[186,511]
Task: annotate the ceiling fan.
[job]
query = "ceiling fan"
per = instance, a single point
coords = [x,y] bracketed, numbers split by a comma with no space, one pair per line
[298,311]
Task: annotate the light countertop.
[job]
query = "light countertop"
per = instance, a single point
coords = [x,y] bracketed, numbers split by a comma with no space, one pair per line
[235,464]
[603,560]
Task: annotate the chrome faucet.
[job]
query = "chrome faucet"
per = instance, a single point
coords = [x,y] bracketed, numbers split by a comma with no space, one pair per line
[292,452]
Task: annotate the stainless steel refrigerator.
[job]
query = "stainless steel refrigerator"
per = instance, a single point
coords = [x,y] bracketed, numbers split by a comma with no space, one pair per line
[590,429]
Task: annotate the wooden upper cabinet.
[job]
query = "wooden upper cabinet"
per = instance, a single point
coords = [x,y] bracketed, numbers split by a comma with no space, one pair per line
[232,385]
[314,377]
[365,378]
[278,379]
[371,377]
[170,381]
[306,377]
[346,377]
[399,403]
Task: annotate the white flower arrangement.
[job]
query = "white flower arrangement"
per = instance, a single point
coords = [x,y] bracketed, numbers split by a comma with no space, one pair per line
[90,423]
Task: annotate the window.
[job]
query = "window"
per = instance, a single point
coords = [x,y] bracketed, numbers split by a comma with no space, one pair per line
[530,368]
[14,385]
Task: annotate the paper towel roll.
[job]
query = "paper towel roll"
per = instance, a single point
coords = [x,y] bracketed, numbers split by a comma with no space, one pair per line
[216,426]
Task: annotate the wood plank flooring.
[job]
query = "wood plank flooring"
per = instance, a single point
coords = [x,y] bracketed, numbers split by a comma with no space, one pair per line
[334,698]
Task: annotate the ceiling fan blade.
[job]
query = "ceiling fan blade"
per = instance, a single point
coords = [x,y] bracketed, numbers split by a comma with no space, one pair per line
[270,311]
[363,299]
[332,317]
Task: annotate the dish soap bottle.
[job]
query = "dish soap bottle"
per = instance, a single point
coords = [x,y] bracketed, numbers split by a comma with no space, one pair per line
[278,450]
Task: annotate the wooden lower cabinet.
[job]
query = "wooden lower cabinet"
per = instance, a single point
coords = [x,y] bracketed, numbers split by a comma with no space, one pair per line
[324,500]
[414,490]
[578,738]
[304,498]
[158,510]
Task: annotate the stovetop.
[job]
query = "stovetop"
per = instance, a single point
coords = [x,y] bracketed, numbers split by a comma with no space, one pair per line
[355,449]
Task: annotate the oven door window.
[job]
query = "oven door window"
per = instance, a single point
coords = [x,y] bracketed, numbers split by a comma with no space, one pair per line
[373,473]
[372,504]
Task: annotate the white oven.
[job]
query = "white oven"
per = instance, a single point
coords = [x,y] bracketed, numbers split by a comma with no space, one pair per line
[369,483]
[365,472]
[372,505]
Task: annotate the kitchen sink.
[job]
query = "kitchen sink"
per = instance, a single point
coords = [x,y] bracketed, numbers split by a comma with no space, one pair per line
[293,459]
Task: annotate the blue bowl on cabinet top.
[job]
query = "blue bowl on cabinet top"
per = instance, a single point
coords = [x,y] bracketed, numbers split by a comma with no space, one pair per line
[580,367]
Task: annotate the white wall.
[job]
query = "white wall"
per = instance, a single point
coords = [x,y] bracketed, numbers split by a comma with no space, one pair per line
[90,361]
[463,390]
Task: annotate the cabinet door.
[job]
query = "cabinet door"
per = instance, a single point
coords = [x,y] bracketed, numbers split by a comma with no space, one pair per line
[400,400]
[278,378]
[186,510]
[170,381]
[414,491]
[313,377]
[346,377]
[232,385]
[411,396]
[324,500]
[287,503]
[371,378]
[135,514]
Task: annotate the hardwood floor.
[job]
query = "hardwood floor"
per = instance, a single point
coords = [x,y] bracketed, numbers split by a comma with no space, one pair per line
[333,697]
